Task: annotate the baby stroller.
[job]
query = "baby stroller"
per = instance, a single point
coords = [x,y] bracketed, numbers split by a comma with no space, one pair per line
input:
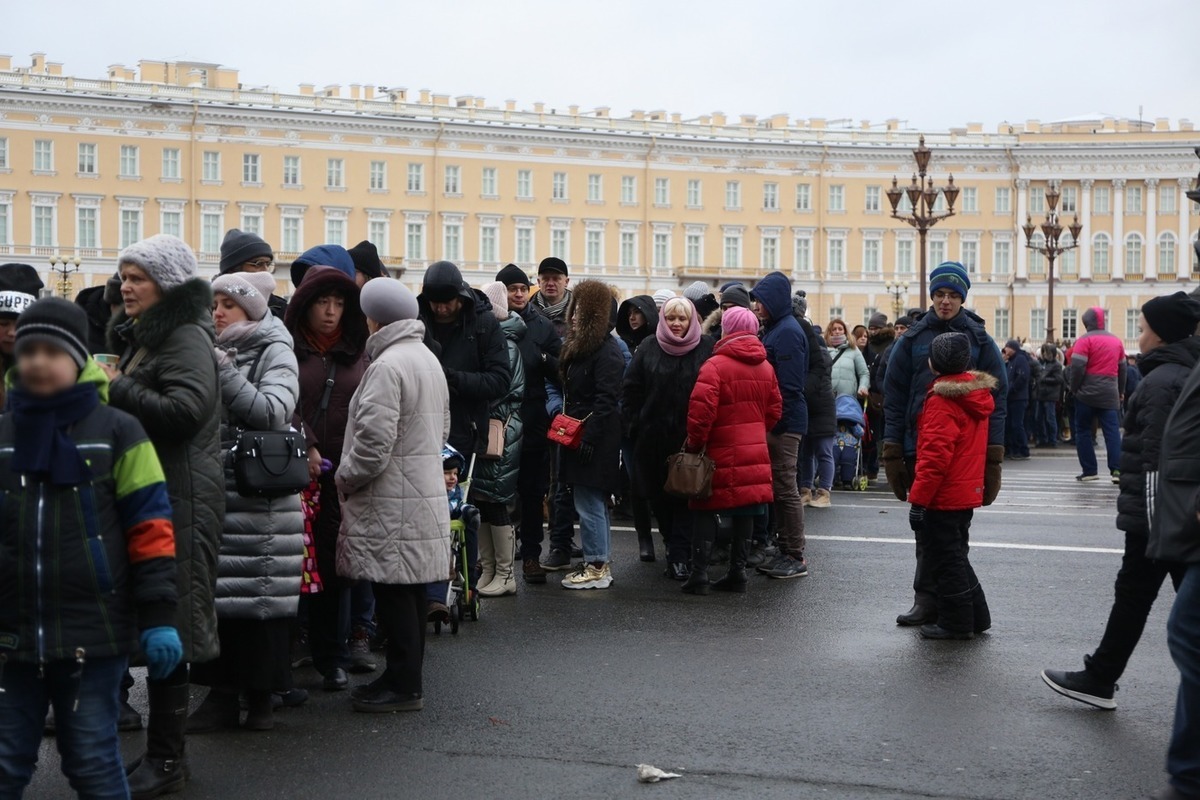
[461,596]
[848,461]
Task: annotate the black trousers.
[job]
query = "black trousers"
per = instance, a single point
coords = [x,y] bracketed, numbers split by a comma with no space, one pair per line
[329,609]
[675,524]
[254,656]
[945,539]
[1137,587]
[402,618]
[533,481]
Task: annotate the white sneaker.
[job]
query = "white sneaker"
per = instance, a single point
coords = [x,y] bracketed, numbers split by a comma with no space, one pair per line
[588,576]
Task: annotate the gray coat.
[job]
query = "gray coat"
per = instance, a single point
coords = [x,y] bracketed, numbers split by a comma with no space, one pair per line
[496,481]
[395,517]
[262,545]
[849,373]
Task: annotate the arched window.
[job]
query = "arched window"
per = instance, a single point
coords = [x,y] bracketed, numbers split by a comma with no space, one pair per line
[1068,260]
[1037,261]
[1166,254]
[1133,254]
[1100,265]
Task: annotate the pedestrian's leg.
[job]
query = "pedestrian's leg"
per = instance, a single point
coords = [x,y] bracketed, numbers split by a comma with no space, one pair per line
[1183,639]
[784,452]
[86,707]
[406,637]
[594,531]
[1085,445]
[487,554]
[806,467]
[824,447]
[164,768]
[1136,589]
[532,482]
[924,608]
[735,579]
[945,537]
[562,526]
[23,706]
[1110,423]
[704,533]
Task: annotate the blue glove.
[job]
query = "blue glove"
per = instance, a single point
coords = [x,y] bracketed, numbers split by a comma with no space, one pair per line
[163,651]
[916,518]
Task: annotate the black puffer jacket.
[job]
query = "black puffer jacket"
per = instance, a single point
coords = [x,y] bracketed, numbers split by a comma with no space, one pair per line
[174,393]
[1166,369]
[1050,386]
[539,348]
[654,406]
[818,390]
[632,338]
[1174,529]
[474,356]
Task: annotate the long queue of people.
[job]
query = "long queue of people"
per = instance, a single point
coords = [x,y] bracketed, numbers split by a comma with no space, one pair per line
[124,424]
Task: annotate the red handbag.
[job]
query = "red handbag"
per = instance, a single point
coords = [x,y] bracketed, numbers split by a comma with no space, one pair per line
[566,431]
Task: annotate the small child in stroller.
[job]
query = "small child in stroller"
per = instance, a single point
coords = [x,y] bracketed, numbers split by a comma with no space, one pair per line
[454,470]
[848,472]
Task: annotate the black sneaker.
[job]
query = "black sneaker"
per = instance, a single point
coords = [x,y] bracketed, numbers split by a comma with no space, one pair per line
[557,561]
[1081,686]
[759,555]
[1087,478]
[384,700]
[787,567]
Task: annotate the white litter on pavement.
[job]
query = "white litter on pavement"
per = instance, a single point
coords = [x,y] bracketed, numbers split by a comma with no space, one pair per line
[650,774]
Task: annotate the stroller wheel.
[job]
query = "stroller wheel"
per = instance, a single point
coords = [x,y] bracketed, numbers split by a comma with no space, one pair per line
[860,483]
[473,608]
[455,616]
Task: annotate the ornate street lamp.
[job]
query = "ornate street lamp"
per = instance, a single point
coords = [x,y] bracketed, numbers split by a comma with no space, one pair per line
[898,291]
[922,196]
[64,267]
[1052,249]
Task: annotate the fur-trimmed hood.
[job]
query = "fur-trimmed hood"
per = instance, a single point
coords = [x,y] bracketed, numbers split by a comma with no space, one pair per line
[879,341]
[319,281]
[971,390]
[712,322]
[190,303]
[591,318]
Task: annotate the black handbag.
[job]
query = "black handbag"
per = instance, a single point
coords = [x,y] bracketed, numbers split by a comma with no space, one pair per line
[272,463]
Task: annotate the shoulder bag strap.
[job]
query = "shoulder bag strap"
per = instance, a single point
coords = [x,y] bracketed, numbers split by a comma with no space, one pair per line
[839,355]
[136,361]
[328,388]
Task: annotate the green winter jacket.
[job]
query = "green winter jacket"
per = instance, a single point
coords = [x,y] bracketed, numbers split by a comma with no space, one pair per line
[83,568]
[496,480]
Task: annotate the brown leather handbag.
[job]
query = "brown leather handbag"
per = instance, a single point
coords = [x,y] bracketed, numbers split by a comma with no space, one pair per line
[690,475]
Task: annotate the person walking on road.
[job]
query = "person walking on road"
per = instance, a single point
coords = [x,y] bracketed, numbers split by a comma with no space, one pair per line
[1098,384]
[906,385]
[1016,440]
[1170,352]
[734,404]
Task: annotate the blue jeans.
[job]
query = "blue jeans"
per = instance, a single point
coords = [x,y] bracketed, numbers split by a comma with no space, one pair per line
[1085,445]
[594,531]
[1047,423]
[1017,441]
[1183,639]
[816,462]
[87,736]
[362,607]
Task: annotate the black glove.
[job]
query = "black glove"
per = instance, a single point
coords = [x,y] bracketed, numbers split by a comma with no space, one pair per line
[916,518]
[586,453]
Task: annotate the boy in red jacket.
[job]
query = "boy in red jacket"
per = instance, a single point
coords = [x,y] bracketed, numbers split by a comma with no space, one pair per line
[952,439]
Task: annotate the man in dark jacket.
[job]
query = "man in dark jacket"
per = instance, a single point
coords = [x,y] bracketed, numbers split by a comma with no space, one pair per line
[1169,354]
[1175,538]
[787,352]
[242,251]
[539,355]
[1016,440]
[1048,395]
[472,349]
[553,296]
[905,385]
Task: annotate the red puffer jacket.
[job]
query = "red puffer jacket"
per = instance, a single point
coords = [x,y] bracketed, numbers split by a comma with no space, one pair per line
[735,402]
[952,439]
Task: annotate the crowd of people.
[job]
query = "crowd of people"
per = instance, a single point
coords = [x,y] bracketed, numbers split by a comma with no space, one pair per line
[518,411]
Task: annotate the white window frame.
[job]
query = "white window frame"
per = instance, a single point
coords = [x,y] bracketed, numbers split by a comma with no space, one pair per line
[1135,254]
[804,197]
[558,187]
[695,193]
[1003,200]
[837,198]
[524,184]
[970,200]
[872,257]
[335,173]
[293,175]
[86,159]
[1168,253]
[629,190]
[43,156]
[210,167]
[487,183]
[595,188]
[1101,254]
[1002,257]
[871,199]
[377,176]
[251,169]
[733,195]
[1101,200]
[415,178]
[172,160]
[662,192]
[770,197]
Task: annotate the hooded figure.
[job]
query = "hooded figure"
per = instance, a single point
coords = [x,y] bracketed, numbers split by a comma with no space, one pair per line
[323,255]
[472,349]
[644,304]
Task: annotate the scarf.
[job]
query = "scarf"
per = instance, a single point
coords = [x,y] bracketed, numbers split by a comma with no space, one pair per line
[320,342]
[837,341]
[238,331]
[674,345]
[42,444]
[556,309]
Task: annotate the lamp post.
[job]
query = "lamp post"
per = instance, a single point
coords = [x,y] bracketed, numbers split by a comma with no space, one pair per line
[1051,230]
[64,267]
[922,195]
[898,291]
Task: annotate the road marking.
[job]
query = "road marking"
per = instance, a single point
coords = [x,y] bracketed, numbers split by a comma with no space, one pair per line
[1003,509]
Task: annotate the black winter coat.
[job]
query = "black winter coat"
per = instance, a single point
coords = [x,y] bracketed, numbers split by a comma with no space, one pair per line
[174,392]
[818,390]
[539,356]
[1166,369]
[474,356]
[654,407]
[1051,384]
[1019,377]
[1174,529]
[631,338]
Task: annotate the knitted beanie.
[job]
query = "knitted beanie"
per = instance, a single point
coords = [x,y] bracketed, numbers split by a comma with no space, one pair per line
[19,289]
[950,353]
[247,290]
[800,304]
[1172,317]
[238,247]
[736,296]
[877,320]
[366,259]
[697,291]
[497,292]
[950,275]
[662,296]
[511,275]
[166,260]
[58,322]
[387,300]
[738,320]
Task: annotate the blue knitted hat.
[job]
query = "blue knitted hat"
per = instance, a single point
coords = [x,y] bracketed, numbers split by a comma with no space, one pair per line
[950,275]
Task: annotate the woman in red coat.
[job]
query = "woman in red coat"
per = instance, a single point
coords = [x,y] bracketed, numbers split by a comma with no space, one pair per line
[735,402]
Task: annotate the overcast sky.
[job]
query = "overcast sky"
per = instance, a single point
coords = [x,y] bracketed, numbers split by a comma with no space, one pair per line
[935,64]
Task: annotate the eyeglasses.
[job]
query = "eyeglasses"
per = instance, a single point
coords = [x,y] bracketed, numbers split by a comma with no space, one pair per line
[259,265]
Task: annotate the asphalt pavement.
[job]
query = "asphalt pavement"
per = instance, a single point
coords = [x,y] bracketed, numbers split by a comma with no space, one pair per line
[802,688]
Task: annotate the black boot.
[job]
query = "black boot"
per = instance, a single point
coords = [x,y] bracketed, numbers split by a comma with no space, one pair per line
[697,582]
[218,711]
[735,579]
[646,545]
[923,612]
[642,523]
[163,769]
[260,714]
[983,616]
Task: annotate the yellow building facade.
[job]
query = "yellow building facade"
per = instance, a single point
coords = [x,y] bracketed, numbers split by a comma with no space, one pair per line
[644,202]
